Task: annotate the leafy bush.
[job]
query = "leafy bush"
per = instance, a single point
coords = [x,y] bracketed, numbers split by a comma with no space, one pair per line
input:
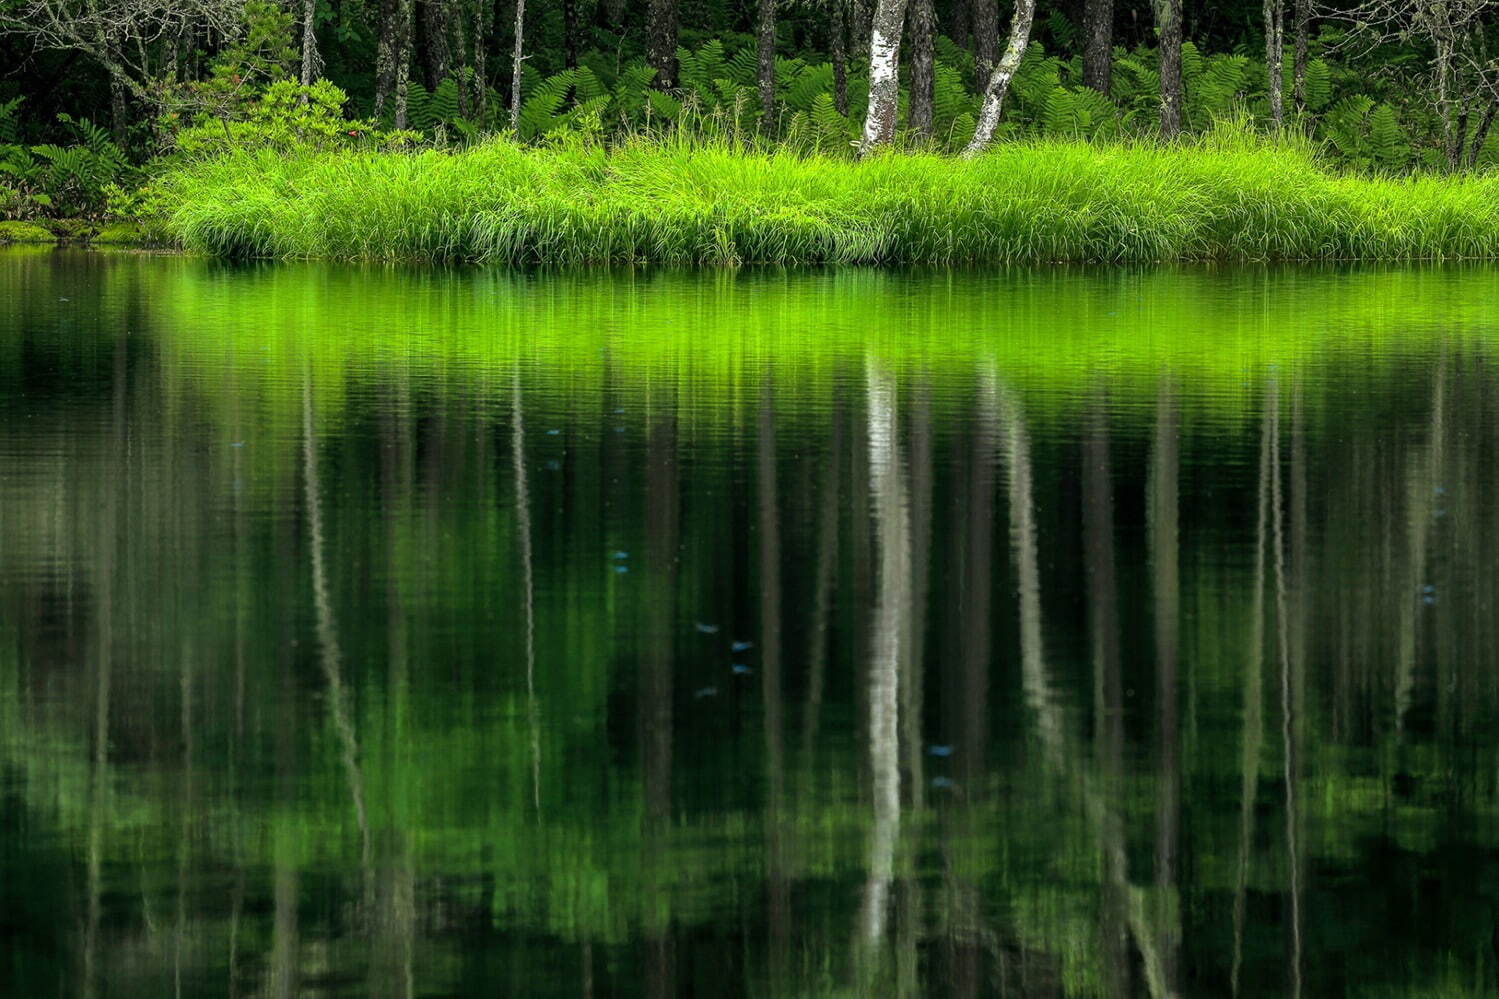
[50,179]
[288,117]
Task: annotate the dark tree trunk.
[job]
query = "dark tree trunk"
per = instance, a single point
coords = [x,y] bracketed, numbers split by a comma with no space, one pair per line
[517,57]
[570,28]
[1303,31]
[460,63]
[859,26]
[1169,25]
[405,12]
[438,55]
[385,56]
[765,28]
[311,63]
[1098,44]
[1275,57]
[838,43]
[921,17]
[661,41]
[119,112]
[1481,134]
[482,21]
[960,23]
[985,14]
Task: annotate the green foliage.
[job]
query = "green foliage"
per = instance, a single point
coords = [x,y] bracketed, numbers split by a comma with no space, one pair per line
[288,117]
[1367,134]
[51,179]
[1080,113]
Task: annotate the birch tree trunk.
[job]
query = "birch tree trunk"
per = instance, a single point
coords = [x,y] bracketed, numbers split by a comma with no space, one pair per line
[1275,57]
[921,18]
[1168,19]
[884,65]
[999,81]
[1098,44]
[517,55]
[766,74]
[661,41]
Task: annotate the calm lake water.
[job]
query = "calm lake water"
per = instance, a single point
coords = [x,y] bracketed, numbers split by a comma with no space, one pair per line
[426,633]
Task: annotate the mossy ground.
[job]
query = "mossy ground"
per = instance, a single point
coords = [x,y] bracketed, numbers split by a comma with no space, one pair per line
[25,232]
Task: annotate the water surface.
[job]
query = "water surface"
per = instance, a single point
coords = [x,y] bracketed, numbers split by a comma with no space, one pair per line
[425,633]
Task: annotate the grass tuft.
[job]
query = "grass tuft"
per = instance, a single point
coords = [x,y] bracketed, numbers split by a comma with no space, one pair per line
[1226,196]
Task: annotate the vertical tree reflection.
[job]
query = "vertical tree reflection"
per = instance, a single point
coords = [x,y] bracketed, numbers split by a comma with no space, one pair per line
[768,525]
[1108,696]
[329,654]
[887,640]
[1253,697]
[655,693]
[1165,459]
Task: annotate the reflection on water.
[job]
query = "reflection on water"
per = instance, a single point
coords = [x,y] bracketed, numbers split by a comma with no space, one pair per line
[375,633]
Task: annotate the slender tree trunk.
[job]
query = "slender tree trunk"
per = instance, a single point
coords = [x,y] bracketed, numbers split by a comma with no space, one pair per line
[1447,102]
[405,10]
[437,15]
[765,27]
[312,64]
[859,23]
[1481,134]
[999,81]
[1098,44]
[385,55]
[838,44]
[661,41]
[921,17]
[985,31]
[119,112]
[1303,15]
[960,22]
[884,67]
[570,28]
[1275,57]
[460,62]
[517,57]
[1168,18]
[482,22]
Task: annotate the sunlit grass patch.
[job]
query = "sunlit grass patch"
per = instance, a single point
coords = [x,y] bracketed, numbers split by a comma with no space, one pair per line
[1223,197]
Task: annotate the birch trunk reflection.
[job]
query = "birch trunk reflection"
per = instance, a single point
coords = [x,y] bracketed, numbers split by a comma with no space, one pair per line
[523,527]
[891,621]
[329,654]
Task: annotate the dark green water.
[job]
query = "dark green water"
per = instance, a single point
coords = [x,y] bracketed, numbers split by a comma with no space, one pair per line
[370,632]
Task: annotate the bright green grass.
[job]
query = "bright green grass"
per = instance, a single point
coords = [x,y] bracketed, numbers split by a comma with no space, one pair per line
[1226,197]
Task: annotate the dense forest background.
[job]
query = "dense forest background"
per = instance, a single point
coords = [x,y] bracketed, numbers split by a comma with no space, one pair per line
[90,90]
